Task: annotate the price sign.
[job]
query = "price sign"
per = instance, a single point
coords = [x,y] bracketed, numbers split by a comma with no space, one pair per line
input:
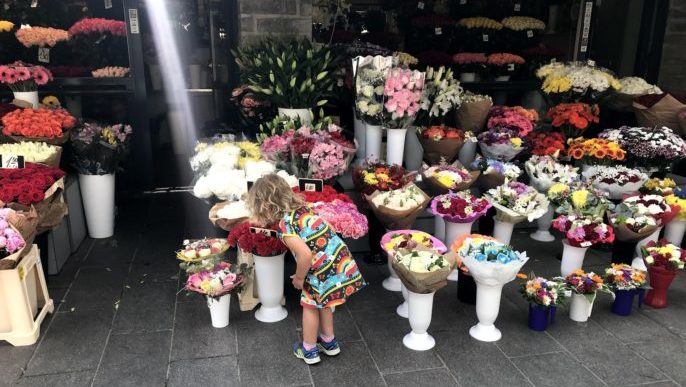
[44,54]
[250,184]
[529,34]
[12,161]
[420,5]
[485,37]
[133,21]
[108,4]
[438,31]
[463,2]
[517,7]
[510,67]
[263,231]
[34,3]
[591,62]
[311,185]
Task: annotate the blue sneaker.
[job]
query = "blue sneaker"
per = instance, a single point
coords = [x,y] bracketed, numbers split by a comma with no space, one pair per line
[331,348]
[310,357]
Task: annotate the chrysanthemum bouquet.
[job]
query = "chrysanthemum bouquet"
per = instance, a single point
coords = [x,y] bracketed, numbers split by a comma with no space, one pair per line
[625,277]
[494,173]
[516,202]
[617,181]
[461,207]
[544,171]
[444,177]
[500,143]
[650,148]
[664,255]
[639,216]
[343,217]
[542,291]
[576,81]
[596,151]
[375,176]
[22,77]
[657,186]
[583,231]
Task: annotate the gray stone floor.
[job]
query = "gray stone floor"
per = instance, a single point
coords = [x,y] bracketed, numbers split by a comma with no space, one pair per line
[121,321]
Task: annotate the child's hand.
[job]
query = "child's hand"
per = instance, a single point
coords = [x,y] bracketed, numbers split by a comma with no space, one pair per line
[298,282]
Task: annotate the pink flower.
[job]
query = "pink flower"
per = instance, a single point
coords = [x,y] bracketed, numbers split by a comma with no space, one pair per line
[469,58]
[23,73]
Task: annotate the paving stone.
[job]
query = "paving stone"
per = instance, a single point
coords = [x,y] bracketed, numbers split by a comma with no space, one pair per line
[354,366]
[138,359]
[555,369]
[71,379]
[146,307]
[194,336]
[344,324]
[216,371]
[96,288]
[374,296]
[13,361]
[429,378]
[636,328]
[669,355]
[112,251]
[71,266]
[518,339]
[672,318]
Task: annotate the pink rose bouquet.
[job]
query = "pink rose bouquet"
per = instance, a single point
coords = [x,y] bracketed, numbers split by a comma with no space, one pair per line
[98,26]
[41,36]
[470,62]
[403,94]
[217,282]
[20,76]
[343,217]
[504,63]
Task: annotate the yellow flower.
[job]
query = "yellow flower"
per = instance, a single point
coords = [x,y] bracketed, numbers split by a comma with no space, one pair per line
[370,179]
[556,84]
[6,26]
[517,142]
[579,198]
[250,151]
[51,101]
[445,180]
[557,189]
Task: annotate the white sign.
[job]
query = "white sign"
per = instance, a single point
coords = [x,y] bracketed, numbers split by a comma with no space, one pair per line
[510,67]
[108,4]
[529,34]
[517,7]
[11,161]
[133,21]
[485,37]
[34,3]
[438,31]
[420,5]
[44,54]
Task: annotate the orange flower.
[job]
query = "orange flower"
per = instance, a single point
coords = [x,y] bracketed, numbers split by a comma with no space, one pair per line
[522,276]
[620,155]
[600,153]
[576,153]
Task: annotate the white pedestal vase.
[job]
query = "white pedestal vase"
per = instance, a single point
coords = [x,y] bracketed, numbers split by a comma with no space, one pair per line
[302,114]
[395,146]
[219,310]
[467,153]
[28,96]
[413,150]
[359,136]
[373,136]
[637,263]
[97,192]
[403,309]
[543,233]
[502,231]
[674,231]
[468,77]
[269,278]
[452,232]
[572,258]
[580,308]
[439,228]
[392,283]
[419,315]
[487,309]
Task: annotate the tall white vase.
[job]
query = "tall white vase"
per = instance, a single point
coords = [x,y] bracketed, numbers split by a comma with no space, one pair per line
[395,146]
[359,136]
[269,278]
[403,309]
[439,228]
[502,231]
[97,192]
[28,96]
[572,258]
[543,233]
[219,310]
[467,153]
[419,315]
[413,150]
[487,309]
[580,308]
[372,146]
[674,231]
[303,114]
[452,232]
[392,283]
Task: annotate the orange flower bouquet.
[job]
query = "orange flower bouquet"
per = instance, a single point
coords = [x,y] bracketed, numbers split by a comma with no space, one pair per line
[574,118]
[37,124]
[596,151]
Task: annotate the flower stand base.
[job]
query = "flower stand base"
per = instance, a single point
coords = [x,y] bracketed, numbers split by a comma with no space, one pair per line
[580,308]
[486,333]
[466,288]
[372,146]
[543,233]
[660,280]
[395,148]
[219,310]
[502,231]
[674,231]
[392,283]
[269,278]
[572,258]
[624,301]
[439,228]
[420,309]
[487,309]
[403,309]
[540,317]
[413,150]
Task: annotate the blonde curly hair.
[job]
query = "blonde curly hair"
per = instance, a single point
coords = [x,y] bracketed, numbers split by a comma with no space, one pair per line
[270,198]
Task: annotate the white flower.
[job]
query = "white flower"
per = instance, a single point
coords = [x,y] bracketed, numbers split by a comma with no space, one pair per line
[33,152]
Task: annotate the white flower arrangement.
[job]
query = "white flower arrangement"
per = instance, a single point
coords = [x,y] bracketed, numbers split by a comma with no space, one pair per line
[517,201]
[544,171]
[207,154]
[223,182]
[290,179]
[400,199]
[638,86]
[422,261]
[234,210]
[254,169]
[33,152]
[441,92]
[617,180]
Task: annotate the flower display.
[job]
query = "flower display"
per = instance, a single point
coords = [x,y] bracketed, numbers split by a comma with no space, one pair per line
[440,143]
[98,26]
[657,186]
[98,149]
[625,277]
[576,79]
[544,171]
[643,206]
[586,284]
[638,86]
[208,153]
[547,143]
[470,62]
[369,92]
[397,209]
[521,23]
[256,169]
[461,207]
[664,255]
[217,282]
[438,133]
[6,26]
[20,76]
[491,167]
[583,231]
[410,240]
[596,151]
[49,123]
[329,159]
[517,201]
[479,22]
[422,261]
[343,217]
[380,177]
[448,177]
[197,250]
[678,199]
[41,36]
[574,117]
[504,59]
[326,195]
[249,151]
[27,185]
[400,199]
[223,182]
[255,243]
[578,199]
[542,291]
[500,143]
[514,118]
[111,72]
[485,249]
[11,240]
[276,148]
[441,95]
[617,181]
[657,147]
[403,97]
[33,152]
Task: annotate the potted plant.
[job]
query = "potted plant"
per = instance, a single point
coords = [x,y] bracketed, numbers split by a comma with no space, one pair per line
[626,283]
[217,284]
[584,287]
[663,260]
[96,153]
[23,79]
[544,296]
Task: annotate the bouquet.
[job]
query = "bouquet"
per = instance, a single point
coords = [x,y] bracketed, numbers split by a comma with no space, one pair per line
[574,117]
[470,62]
[203,254]
[370,79]
[395,241]
[330,159]
[443,177]
[473,111]
[494,172]
[226,215]
[678,199]
[503,64]
[327,195]
[461,207]
[542,291]
[583,231]
[111,72]
[249,151]
[648,147]
[100,42]
[544,171]
[516,118]
[578,199]
[441,96]
[521,23]
[97,150]
[576,81]
[663,255]
[397,209]
[547,143]
[403,96]
[423,270]
[374,176]
[11,240]
[343,217]
[34,152]
[516,201]
[586,284]
[617,181]
[277,148]
[41,123]
[22,77]
[636,217]
[40,36]
[632,87]
[28,185]
[625,277]
[657,110]
[657,186]
[214,152]
[489,261]
[479,22]
[98,26]
[596,151]
[255,243]
[219,281]
[222,181]
[500,143]
[440,143]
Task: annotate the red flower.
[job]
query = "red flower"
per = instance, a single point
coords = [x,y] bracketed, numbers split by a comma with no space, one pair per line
[327,195]
[255,243]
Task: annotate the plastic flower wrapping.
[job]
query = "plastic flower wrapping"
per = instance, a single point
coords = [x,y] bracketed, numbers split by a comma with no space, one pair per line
[461,207]
[202,254]
[440,143]
[27,185]
[376,176]
[657,147]
[397,209]
[544,171]
[576,80]
[574,117]
[583,231]
[617,181]
[516,201]
[45,123]
[41,36]
[678,199]
[394,241]
[625,277]
[547,143]
[370,79]
[11,240]
[217,282]
[657,186]
[586,284]
[443,177]
[402,95]
[578,199]
[441,95]
[20,76]
[542,291]
[663,255]
[500,143]
[343,217]
[33,152]
[255,243]
[489,261]
[596,151]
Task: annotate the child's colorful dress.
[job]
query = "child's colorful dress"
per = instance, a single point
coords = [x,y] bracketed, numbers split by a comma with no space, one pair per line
[334,274]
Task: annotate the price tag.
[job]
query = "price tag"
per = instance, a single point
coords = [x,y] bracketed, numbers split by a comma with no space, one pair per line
[311,185]
[264,231]
[510,67]
[44,54]
[517,7]
[34,3]
[133,21]
[591,62]
[485,37]
[12,161]
[420,5]
[529,34]
[568,293]
[438,31]
[463,2]
[108,4]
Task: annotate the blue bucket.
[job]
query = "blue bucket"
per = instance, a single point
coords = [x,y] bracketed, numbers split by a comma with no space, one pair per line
[540,317]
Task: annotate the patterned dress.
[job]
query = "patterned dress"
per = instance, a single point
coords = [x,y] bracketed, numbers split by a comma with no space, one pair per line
[334,275]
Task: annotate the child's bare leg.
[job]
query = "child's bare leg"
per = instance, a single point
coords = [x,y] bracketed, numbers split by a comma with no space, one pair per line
[310,325]
[326,322]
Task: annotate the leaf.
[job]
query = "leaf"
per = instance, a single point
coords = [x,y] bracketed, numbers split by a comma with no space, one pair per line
[322,102]
[321,75]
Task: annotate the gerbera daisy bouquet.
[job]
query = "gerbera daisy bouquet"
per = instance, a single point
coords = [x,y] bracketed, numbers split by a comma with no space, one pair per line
[574,118]
[23,77]
[547,143]
[544,171]
[596,151]
[375,176]
[583,231]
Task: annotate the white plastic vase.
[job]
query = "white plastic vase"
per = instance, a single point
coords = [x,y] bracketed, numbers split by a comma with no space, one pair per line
[543,233]
[392,283]
[467,153]
[572,258]
[97,192]
[303,114]
[269,277]
[580,308]
[413,150]
[219,310]
[487,309]
[403,309]
[395,146]
[652,237]
[439,228]
[639,264]
[468,77]
[419,315]
[372,145]
[502,231]
[452,232]
[359,136]
[28,96]
[674,231]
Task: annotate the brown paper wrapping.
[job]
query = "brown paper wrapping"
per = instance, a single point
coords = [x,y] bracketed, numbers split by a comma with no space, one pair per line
[435,188]
[424,283]
[472,116]
[504,217]
[50,210]
[446,149]
[663,113]
[682,121]
[490,181]
[623,233]
[11,261]
[224,224]
[395,219]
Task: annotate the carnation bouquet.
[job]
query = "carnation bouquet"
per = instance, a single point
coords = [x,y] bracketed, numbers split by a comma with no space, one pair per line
[542,291]
[470,62]
[663,256]
[423,270]
[440,143]
[576,81]
[516,202]
[578,199]
[202,254]
[583,231]
[461,207]
[625,277]
[327,195]
[397,209]
[617,181]
[330,159]
[218,281]
[441,96]
[494,172]
[22,77]
[48,125]
[255,243]
[657,186]
[343,217]
[443,177]
[375,176]
[547,143]
[650,148]
[544,171]
[98,149]
[402,97]
[574,118]
[276,148]
[596,151]
[473,111]
[370,78]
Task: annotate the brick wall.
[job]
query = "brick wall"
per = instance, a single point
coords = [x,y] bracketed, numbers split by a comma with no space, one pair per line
[274,17]
[672,74]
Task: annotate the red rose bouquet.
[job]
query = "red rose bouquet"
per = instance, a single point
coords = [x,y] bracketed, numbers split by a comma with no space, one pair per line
[573,118]
[27,185]
[47,123]
[255,243]
[547,143]
[461,207]
[327,195]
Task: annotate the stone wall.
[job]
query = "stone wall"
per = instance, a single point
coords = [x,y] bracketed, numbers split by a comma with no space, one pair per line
[260,18]
[672,73]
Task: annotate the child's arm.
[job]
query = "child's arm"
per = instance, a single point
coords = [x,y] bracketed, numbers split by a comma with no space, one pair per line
[303,256]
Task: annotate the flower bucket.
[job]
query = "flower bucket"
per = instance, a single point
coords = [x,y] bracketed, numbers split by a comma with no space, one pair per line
[372,146]
[219,310]
[97,192]
[269,278]
[487,309]
[660,280]
[543,233]
[540,317]
[466,288]
[439,227]
[624,301]
[502,231]
[467,152]
[403,309]
[359,127]
[395,146]
[27,96]
[580,308]
[572,258]
[414,152]
[392,283]
[452,232]
[674,231]
[419,315]
[302,114]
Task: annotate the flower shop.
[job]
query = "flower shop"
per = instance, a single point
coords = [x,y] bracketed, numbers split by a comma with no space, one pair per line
[504,152]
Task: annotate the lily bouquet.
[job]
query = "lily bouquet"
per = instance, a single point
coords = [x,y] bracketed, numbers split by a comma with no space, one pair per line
[22,77]
[652,148]
[461,207]
[578,199]
[440,143]
[221,280]
[203,254]
[443,177]
[625,277]
[441,96]
[583,231]
[544,171]
[494,173]
[617,181]
[397,209]
[663,255]
[586,284]
[516,202]
[370,79]
[402,97]
[542,291]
